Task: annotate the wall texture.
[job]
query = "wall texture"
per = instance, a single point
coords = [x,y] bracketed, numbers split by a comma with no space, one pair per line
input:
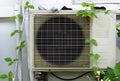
[7,43]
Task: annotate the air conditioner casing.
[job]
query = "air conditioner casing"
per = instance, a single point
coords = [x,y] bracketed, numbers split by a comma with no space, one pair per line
[101,29]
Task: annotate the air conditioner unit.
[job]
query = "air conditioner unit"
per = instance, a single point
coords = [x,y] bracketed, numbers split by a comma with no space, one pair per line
[57,41]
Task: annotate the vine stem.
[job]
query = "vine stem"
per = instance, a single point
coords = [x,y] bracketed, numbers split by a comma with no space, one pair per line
[98,77]
[15,69]
[18,66]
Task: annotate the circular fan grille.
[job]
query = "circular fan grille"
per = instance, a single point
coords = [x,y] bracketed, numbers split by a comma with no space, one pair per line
[60,40]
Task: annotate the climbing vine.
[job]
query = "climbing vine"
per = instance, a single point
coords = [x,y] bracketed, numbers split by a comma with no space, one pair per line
[88,10]
[19,18]
[110,74]
[118,29]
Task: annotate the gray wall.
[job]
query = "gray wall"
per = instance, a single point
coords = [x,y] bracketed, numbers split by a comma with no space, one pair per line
[7,43]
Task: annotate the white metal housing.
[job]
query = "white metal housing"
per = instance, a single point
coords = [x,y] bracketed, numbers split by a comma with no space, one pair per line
[101,29]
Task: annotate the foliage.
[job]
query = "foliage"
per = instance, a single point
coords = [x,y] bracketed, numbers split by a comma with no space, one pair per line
[91,41]
[117,26]
[10,74]
[110,74]
[18,17]
[3,76]
[7,76]
[107,11]
[118,29]
[9,60]
[88,5]
[85,12]
[15,32]
[117,69]
[22,45]
[94,56]
[28,6]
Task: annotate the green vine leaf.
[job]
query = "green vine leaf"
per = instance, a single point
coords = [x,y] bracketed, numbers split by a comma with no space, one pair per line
[118,33]
[20,31]
[28,6]
[117,69]
[82,12]
[31,6]
[25,7]
[13,17]
[3,76]
[15,59]
[106,78]
[20,18]
[27,3]
[22,45]
[107,11]
[94,56]
[110,72]
[79,12]
[19,15]
[10,74]
[117,72]
[8,59]
[118,29]
[15,32]
[110,76]
[91,54]
[117,26]
[95,69]
[10,63]
[102,72]
[92,15]
[117,66]
[17,47]
[10,79]
[84,4]
[85,12]
[92,7]
[91,41]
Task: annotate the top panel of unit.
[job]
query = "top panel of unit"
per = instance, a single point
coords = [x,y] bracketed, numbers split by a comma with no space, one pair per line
[63,11]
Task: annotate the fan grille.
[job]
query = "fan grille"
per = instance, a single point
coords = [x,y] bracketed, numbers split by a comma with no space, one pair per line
[59,41]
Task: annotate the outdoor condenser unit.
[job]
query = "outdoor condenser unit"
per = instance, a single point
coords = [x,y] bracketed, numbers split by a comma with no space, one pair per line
[57,41]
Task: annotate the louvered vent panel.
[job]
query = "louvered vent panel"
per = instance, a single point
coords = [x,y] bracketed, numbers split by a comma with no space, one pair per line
[59,41]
